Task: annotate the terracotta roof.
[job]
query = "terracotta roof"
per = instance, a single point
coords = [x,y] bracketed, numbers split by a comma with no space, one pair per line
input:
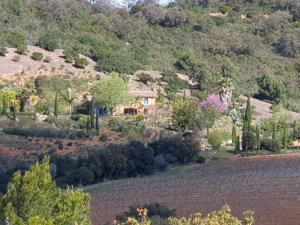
[141,93]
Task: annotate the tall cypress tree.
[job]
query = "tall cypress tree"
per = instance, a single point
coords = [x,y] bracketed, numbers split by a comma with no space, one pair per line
[248,115]
[237,145]
[274,132]
[56,105]
[285,137]
[233,134]
[14,111]
[92,115]
[97,122]
[4,106]
[258,137]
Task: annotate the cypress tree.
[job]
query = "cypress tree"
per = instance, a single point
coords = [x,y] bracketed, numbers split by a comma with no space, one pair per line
[97,122]
[14,111]
[258,137]
[4,105]
[88,125]
[233,134]
[285,137]
[56,105]
[92,117]
[248,115]
[237,144]
[295,132]
[274,132]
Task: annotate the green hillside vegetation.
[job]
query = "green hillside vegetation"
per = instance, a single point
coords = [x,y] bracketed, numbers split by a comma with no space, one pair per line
[255,42]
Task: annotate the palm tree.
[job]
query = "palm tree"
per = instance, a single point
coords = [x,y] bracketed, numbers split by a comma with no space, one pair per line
[69,98]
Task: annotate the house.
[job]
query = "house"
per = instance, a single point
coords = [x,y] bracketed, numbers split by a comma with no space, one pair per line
[144,103]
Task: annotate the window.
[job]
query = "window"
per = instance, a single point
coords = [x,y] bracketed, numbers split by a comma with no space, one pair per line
[146,101]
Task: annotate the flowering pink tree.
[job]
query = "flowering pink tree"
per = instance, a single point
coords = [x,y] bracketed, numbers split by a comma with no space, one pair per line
[214,101]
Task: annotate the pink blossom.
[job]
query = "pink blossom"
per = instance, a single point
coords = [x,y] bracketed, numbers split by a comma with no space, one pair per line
[214,101]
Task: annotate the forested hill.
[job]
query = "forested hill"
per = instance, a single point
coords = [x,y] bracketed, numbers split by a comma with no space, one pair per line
[254,42]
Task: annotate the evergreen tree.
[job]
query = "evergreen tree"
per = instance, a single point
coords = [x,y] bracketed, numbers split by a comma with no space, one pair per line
[248,115]
[274,132]
[258,137]
[233,134]
[33,198]
[88,125]
[97,122]
[295,131]
[4,105]
[14,111]
[237,144]
[92,114]
[56,105]
[285,137]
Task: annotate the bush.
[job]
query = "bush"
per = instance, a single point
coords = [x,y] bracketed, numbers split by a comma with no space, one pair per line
[160,162]
[200,159]
[70,55]
[84,176]
[225,9]
[49,41]
[81,63]
[36,132]
[270,144]
[37,56]
[249,141]
[145,78]
[215,138]
[22,49]
[175,149]
[3,50]
[16,40]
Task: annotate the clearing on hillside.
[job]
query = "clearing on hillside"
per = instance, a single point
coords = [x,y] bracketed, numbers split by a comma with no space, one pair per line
[268,185]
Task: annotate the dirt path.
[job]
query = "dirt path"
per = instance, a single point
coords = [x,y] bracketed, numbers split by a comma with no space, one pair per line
[268,185]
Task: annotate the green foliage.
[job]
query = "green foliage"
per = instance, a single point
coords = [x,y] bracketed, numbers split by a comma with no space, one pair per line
[233,134]
[71,55]
[49,41]
[285,141]
[36,132]
[38,56]
[270,144]
[145,78]
[184,114]
[3,50]
[111,92]
[81,63]
[248,116]
[22,49]
[237,147]
[16,40]
[175,84]
[258,142]
[248,141]
[56,105]
[200,159]
[34,199]
[215,138]
[271,89]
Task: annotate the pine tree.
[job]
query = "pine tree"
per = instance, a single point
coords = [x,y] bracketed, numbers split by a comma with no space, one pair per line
[56,105]
[285,137]
[258,137]
[233,134]
[237,144]
[274,132]
[248,115]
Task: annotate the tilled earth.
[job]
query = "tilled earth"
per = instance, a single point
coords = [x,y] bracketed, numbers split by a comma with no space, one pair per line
[269,185]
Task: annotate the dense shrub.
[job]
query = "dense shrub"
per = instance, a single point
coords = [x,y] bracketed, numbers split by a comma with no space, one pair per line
[17,40]
[175,149]
[270,144]
[36,132]
[215,138]
[248,141]
[175,84]
[199,158]
[117,63]
[49,41]
[81,63]
[160,162]
[71,55]
[145,78]
[22,49]
[38,56]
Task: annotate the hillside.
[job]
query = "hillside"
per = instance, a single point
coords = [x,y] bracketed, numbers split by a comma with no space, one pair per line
[266,185]
[257,43]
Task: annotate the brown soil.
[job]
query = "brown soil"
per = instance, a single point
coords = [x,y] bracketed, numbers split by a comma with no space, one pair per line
[268,185]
